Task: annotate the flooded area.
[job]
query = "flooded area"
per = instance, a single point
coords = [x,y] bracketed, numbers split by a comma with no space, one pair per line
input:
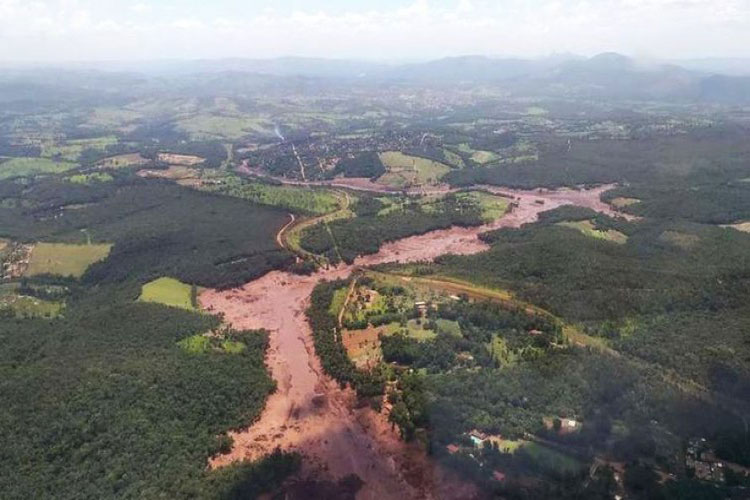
[310,413]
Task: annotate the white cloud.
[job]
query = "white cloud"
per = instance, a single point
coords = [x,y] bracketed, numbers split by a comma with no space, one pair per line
[141,8]
[119,29]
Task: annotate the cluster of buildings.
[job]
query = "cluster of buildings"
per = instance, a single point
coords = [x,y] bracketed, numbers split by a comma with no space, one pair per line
[16,260]
[699,458]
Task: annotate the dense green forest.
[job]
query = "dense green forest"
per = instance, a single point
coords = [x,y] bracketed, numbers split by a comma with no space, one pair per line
[157,229]
[105,403]
[707,155]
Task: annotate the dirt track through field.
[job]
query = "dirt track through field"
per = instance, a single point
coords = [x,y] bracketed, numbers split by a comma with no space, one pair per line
[310,413]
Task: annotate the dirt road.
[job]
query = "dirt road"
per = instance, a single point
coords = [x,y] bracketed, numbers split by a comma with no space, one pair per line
[309,412]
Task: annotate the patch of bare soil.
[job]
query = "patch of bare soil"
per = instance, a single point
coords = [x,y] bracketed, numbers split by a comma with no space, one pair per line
[124,160]
[178,159]
[184,176]
[310,413]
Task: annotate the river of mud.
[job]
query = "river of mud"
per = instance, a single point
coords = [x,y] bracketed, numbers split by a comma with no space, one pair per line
[309,412]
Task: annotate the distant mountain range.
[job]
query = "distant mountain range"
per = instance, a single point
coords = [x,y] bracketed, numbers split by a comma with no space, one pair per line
[605,76]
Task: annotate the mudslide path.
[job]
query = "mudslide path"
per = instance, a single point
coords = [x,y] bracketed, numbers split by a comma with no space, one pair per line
[310,413]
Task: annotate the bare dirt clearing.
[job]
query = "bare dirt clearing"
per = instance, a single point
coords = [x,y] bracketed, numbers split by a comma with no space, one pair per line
[309,412]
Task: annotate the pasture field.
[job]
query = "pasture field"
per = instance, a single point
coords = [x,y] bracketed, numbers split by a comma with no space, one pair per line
[71,150]
[622,202]
[207,126]
[493,206]
[169,292]
[181,174]
[89,179]
[339,297]
[120,161]
[203,344]
[453,158]
[550,459]
[536,111]
[19,167]
[685,241]
[180,159]
[484,157]
[587,227]
[297,199]
[64,259]
[405,170]
[24,306]
[448,327]
[416,329]
[113,118]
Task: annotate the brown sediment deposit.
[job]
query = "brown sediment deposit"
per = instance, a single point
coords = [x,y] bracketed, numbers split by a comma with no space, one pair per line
[309,412]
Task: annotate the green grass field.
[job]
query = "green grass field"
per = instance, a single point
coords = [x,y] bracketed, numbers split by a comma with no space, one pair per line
[550,459]
[622,202]
[63,259]
[202,344]
[120,161]
[413,330]
[298,199]
[405,170]
[71,150]
[453,158]
[685,241]
[483,157]
[169,292]
[89,179]
[30,307]
[207,126]
[493,207]
[587,227]
[448,327]
[18,167]
[339,297]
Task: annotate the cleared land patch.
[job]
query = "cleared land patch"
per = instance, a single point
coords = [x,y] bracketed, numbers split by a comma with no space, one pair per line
[587,228]
[225,127]
[64,259]
[622,202]
[181,174]
[686,241]
[203,344]
[23,306]
[483,157]
[406,170]
[169,292]
[493,207]
[18,167]
[180,159]
[295,198]
[92,178]
[71,150]
[740,226]
[120,161]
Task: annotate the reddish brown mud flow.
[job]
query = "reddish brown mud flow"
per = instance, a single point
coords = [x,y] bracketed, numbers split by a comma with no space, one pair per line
[309,412]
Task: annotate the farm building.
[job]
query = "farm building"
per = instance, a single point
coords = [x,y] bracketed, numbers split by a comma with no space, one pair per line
[478,438]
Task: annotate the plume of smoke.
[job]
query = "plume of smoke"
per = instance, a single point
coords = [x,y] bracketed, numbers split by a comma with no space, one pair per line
[278,133]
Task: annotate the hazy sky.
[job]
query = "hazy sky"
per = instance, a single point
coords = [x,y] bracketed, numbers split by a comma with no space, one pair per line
[65,30]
